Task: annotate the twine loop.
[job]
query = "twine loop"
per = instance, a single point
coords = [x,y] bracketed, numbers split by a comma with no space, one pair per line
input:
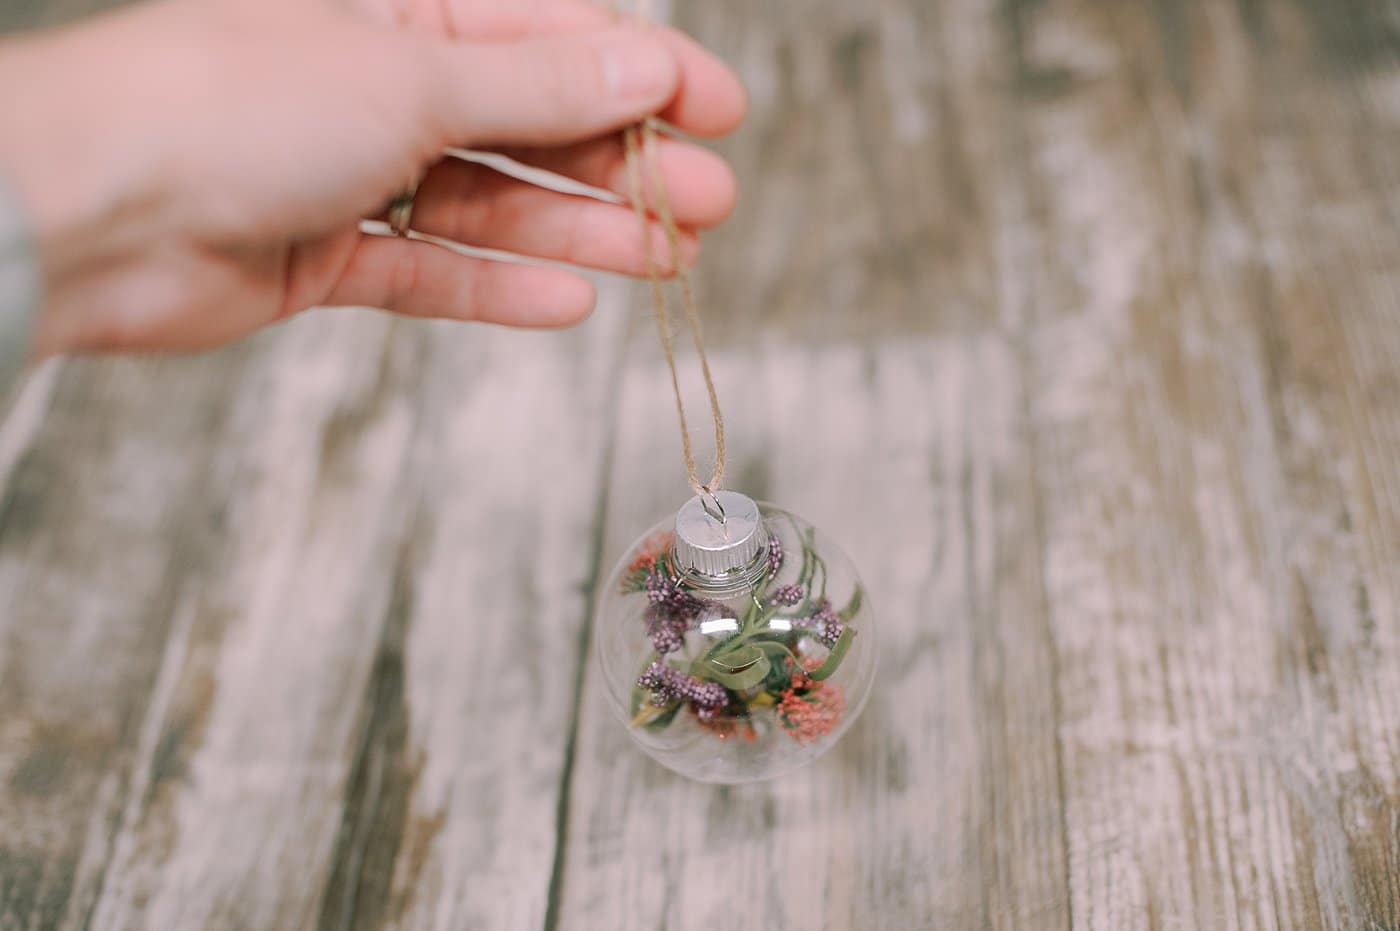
[639,141]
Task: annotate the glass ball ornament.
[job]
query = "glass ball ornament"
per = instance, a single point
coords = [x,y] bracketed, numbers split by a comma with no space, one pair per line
[735,641]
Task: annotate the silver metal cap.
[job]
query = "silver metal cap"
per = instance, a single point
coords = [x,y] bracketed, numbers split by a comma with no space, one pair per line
[711,547]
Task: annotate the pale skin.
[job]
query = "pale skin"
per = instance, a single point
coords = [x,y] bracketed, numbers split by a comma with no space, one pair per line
[194,170]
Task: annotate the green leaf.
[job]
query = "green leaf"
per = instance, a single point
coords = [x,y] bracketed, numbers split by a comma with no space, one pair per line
[778,650]
[833,659]
[741,669]
[819,591]
[739,681]
[739,657]
[780,676]
[852,606]
[663,720]
[805,575]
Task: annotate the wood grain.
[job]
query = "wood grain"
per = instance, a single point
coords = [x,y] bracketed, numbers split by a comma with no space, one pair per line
[943,807]
[1074,323]
[891,829]
[354,599]
[1209,553]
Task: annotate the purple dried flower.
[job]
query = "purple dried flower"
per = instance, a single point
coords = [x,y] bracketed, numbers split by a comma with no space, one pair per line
[673,611]
[665,638]
[832,632]
[709,698]
[654,679]
[788,595]
[825,624]
[775,557]
[668,684]
[665,592]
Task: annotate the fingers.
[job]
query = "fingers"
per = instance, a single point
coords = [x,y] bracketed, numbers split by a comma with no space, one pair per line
[475,205]
[554,90]
[566,87]
[492,20]
[710,100]
[698,183]
[419,279]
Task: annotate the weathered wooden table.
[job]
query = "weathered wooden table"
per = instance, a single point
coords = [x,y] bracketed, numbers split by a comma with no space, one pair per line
[1077,322]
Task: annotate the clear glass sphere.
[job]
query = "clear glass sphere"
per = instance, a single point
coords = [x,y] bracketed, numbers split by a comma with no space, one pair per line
[739,681]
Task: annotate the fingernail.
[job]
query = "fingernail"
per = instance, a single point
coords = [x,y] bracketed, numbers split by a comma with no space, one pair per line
[636,67]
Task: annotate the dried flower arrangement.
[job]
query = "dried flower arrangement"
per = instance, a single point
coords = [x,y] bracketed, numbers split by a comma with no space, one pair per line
[774,665]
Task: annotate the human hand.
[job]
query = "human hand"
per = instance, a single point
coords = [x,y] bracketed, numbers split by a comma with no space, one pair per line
[196,170]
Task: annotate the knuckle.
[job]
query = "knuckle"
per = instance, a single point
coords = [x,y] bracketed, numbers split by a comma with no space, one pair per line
[409,101]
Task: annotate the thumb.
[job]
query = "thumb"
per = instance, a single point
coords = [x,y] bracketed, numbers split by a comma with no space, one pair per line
[552,90]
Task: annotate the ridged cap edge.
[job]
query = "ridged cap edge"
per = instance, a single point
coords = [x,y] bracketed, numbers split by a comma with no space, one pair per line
[707,547]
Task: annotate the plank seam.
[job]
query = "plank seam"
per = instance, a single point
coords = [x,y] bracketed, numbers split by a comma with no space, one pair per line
[555,889]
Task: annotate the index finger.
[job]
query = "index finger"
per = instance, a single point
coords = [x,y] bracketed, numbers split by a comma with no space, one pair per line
[710,100]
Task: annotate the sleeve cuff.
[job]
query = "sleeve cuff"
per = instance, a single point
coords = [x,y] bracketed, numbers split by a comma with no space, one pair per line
[20,287]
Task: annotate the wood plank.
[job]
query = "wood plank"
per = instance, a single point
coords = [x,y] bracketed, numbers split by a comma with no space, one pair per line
[276,657]
[1073,322]
[863,225]
[255,580]
[345,709]
[281,759]
[1326,302]
[101,518]
[247,745]
[498,587]
[936,808]
[1213,465]
[363,725]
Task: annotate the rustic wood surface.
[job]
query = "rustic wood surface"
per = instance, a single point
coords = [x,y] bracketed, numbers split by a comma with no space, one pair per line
[1076,323]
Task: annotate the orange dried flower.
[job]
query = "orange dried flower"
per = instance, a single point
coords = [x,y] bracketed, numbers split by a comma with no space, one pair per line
[812,714]
[651,549]
[726,727]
